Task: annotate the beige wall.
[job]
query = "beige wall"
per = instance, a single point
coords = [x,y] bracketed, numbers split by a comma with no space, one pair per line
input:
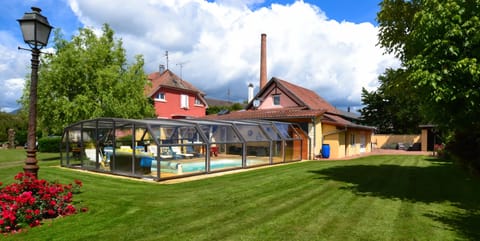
[358,141]
[346,142]
[331,137]
[315,134]
[381,141]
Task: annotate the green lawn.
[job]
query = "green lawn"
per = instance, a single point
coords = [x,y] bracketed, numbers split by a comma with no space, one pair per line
[373,198]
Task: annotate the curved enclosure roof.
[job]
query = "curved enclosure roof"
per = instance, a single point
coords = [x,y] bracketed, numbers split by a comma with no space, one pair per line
[167,148]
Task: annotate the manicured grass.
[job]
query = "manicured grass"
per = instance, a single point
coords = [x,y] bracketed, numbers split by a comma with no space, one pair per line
[12,161]
[373,198]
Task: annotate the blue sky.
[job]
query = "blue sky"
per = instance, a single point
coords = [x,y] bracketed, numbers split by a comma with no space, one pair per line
[356,11]
[328,46]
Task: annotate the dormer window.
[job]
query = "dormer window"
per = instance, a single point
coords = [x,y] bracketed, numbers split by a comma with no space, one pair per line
[160,96]
[198,101]
[276,99]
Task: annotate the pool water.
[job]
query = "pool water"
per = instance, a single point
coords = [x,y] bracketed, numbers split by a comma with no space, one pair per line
[179,168]
[217,164]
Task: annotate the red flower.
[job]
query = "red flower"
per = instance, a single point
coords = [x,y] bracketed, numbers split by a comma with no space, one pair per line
[79,183]
[23,201]
[50,212]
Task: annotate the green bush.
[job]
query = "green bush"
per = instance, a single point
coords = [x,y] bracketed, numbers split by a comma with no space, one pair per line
[49,144]
[465,149]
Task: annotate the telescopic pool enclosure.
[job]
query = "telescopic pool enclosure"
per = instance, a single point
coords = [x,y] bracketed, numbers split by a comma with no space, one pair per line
[161,149]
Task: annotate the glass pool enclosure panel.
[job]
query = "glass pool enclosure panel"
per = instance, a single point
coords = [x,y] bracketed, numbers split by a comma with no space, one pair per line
[293,143]
[221,136]
[73,155]
[277,142]
[165,148]
[180,150]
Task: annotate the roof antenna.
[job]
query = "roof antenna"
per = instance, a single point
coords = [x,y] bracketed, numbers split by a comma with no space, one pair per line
[166,55]
[181,67]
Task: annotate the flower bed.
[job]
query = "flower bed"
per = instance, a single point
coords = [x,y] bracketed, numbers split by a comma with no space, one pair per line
[30,200]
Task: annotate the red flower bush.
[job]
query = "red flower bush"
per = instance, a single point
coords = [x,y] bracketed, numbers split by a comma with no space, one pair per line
[30,200]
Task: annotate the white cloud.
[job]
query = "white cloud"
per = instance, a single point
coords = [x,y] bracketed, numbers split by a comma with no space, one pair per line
[219,44]
[13,64]
[12,91]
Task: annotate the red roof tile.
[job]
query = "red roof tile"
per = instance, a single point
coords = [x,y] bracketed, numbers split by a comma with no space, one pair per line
[339,121]
[303,97]
[310,104]
[284,113]
[168,79]
[310,99]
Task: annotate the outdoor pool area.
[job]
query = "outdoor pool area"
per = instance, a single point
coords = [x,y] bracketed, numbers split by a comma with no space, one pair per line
[161,149]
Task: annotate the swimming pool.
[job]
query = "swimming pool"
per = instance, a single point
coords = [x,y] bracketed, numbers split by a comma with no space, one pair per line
[216,164]
[182,167]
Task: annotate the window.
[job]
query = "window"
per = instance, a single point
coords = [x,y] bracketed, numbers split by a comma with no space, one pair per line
[198,101]
[184,101]
[352,139]
[160,96]
[276,99]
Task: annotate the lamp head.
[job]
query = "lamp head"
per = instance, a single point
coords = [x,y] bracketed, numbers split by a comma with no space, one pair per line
[35,29]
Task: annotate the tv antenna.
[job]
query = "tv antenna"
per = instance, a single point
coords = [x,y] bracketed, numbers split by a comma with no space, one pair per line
[181,68]
[166,56]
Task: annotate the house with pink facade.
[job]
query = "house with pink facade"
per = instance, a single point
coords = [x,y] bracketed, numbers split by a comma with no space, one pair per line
[173,97]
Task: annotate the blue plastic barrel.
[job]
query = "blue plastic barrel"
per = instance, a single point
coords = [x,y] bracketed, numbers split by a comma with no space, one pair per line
[325,150]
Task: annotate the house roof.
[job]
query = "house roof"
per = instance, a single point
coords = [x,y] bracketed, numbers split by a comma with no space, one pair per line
[167,79]
[216,102]
[309,105]
[302,96]
[272,114]
[348,114]
[341,122]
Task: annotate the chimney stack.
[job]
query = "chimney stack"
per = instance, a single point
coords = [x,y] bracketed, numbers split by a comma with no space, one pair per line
[263,61]
[250,92]
[161,68]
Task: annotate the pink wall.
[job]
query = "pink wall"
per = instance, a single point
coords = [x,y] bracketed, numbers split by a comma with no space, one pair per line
[267,102]
[171,106]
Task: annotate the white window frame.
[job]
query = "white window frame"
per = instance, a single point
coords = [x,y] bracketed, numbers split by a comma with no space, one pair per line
[198,101]
[157,97]
[184,101]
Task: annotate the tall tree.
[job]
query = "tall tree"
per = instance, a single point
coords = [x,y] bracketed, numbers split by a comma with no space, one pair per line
[438,42]
[89,77]
[394,107]
[446,64]
[375,111]
[398,109]
[396,24]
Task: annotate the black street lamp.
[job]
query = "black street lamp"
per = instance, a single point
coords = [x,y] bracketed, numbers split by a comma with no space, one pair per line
[36,31]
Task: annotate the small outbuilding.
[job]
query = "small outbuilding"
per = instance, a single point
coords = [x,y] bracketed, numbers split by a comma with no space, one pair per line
[430,137]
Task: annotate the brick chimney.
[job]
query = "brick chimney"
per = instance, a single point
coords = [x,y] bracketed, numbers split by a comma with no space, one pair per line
[263,61]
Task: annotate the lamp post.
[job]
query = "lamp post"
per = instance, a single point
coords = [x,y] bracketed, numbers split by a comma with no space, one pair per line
[36,31]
